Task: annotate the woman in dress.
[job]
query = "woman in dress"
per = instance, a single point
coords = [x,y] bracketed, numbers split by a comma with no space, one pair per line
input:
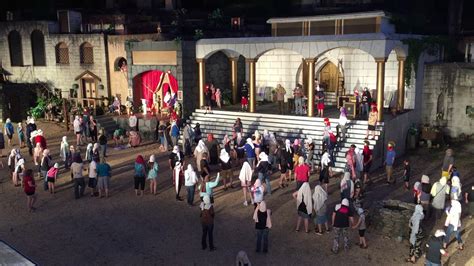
[139,176]
[152,174]
[304,206]
[320,197]
[245,177]
[200,149]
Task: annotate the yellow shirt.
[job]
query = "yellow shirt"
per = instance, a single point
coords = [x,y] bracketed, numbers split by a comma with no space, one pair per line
[373,118]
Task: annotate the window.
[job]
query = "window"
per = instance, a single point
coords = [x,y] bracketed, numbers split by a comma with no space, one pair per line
[62,54]
[87,53]
[120,64]
[15,47]
[37,48]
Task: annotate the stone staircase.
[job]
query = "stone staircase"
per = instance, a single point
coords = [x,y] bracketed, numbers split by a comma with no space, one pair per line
[220,123]
[108,123]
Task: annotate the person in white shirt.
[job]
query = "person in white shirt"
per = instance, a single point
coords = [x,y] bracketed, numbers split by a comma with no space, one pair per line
[190,180]
[132,122]
[93,176]
[453,223]
[77,130]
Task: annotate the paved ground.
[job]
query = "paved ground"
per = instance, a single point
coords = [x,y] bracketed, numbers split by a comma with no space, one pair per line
[126,229]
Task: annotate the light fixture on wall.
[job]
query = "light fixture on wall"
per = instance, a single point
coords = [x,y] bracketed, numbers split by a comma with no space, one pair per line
[101,87]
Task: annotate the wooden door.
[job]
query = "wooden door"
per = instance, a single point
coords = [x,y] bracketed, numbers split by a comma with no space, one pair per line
[328,77]
[88,91]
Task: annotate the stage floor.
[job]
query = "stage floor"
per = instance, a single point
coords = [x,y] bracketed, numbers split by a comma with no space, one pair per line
[272,108]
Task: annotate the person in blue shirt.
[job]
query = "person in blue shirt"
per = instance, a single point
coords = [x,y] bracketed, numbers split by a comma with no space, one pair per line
[103,176]
[389,161]
[174,132]
[206,187]
[140,174]
[250,152]
[9,131]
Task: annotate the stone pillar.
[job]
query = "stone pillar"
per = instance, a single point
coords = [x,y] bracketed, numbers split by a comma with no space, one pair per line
[202,79]
[380,85]
[310,64]
[233,77]
[401,83]
[252,83]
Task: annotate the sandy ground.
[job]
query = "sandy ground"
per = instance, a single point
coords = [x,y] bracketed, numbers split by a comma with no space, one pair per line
[125,229]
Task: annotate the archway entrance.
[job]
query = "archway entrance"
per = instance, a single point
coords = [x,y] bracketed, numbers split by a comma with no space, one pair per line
[329,76]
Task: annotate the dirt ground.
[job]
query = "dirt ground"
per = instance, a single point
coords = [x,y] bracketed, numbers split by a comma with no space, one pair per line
[128,230]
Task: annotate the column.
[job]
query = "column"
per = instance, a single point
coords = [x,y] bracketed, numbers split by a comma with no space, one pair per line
[380,85]
[252,83]
[310,64]
[202,79]
[233,77]
[401,83]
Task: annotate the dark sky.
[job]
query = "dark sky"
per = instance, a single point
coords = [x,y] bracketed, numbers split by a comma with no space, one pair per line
[429,15]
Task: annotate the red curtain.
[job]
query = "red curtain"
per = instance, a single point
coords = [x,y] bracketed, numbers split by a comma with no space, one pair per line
[146,84]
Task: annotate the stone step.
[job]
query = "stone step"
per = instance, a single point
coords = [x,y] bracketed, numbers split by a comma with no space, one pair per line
[220,123]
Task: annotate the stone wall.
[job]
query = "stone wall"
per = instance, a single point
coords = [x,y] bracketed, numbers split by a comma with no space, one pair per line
[116,49]
[448,92]
[58,75]
[278,66]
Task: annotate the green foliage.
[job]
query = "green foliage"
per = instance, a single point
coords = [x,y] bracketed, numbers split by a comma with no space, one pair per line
[216,19]
[38,110]
[428,44]
[198,34]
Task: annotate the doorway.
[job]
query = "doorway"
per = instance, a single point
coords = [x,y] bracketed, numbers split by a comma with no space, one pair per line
[89,91]
[328,77]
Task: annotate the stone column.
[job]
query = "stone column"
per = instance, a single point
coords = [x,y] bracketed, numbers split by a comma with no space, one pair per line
[233,77]
[202,79]
[310,64]
[380,85]
[401,83]
[252,83]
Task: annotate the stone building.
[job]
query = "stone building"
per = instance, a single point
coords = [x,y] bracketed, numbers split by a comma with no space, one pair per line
[57,54]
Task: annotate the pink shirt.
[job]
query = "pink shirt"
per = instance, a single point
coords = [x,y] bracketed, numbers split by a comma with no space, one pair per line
[302,173]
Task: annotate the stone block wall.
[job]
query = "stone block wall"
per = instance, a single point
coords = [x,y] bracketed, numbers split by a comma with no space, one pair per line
[278,66]
[58,75]
[448,90]
[116,49]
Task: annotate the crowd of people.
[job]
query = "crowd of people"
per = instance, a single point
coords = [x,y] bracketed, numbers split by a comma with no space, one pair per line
[256,157]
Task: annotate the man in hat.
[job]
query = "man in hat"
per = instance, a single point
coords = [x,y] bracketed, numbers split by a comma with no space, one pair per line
[389,161]
[435,248]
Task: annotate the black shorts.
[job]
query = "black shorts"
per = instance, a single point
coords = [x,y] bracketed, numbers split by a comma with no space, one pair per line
[371,128]
[367,168]
[78,132]
[30,193]
[51,180]
[9,136]
[406,178]
[290,166]
[324,176]
[283,169]
[362,233]
[92,182]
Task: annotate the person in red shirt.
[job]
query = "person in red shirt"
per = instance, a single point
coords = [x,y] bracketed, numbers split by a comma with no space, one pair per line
[29,187]
[302,172]
[367,152]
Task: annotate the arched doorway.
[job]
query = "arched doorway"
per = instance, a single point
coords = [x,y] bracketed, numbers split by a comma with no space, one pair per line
[328,77]
[158,88]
